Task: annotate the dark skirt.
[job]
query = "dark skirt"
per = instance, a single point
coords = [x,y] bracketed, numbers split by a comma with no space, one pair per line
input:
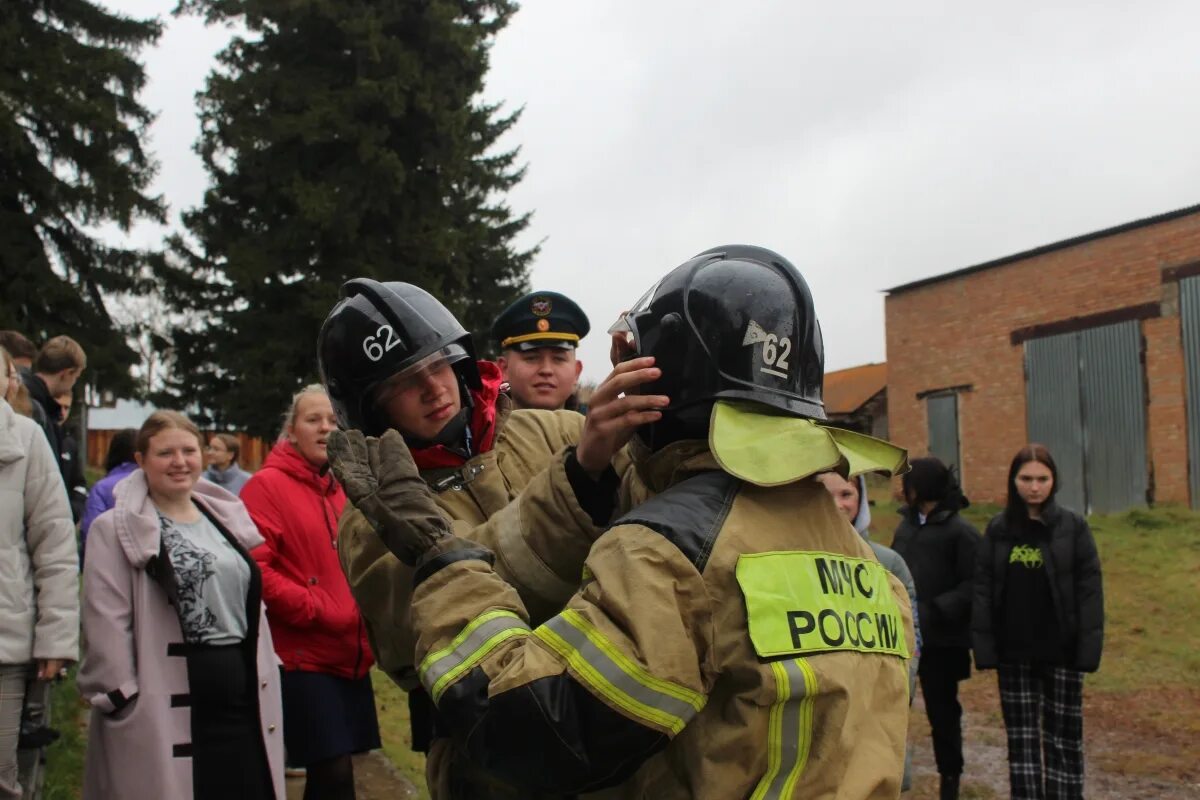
[229,760]
[325,716]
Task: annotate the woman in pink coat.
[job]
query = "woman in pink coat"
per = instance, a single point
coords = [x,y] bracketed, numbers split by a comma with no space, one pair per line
[179,666]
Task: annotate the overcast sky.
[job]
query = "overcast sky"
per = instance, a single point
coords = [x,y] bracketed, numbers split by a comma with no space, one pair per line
[870,143]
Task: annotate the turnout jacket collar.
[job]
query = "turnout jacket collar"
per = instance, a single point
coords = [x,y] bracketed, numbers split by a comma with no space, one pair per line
[483,425]
[674,463]
[136,518]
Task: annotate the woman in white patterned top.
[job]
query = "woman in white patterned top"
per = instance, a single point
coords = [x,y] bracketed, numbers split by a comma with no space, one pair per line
[180,668]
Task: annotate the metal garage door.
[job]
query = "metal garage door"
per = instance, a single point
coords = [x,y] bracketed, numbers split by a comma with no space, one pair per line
[1086,402]
[1055,411]
[1189,309]
[943,429]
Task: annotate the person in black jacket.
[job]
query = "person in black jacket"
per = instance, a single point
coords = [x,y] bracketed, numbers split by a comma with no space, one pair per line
[57,367]
[1038,619]
[70,459]
[939,547]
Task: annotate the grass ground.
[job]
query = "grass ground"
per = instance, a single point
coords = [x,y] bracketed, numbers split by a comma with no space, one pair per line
[64,777]
[1150,560]
[392,706]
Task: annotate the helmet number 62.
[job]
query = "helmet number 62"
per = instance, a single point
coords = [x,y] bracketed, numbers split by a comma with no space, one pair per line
[375,348]
[775,354]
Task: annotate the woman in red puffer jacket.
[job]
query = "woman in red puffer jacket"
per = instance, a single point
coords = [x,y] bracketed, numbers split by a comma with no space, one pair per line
[328,703]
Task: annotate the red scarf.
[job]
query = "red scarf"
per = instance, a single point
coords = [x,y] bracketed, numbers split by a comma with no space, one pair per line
[483,423]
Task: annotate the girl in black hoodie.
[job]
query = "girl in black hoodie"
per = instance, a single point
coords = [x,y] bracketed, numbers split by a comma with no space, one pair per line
[1039,620]
[939,547]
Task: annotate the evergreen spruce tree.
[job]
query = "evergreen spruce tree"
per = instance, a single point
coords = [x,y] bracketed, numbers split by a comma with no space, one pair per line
[343,138]
[71,159]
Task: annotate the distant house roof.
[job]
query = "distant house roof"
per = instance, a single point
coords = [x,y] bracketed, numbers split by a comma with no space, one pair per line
[1048,248]
[847,390]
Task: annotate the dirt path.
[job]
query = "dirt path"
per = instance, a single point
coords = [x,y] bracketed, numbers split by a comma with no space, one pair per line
[1141,747]
[1127,756]
[374,779]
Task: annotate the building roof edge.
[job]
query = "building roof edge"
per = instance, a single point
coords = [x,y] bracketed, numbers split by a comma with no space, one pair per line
[1046,248]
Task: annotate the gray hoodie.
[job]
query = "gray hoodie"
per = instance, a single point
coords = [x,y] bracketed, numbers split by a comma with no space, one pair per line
[892,561]
[231,479]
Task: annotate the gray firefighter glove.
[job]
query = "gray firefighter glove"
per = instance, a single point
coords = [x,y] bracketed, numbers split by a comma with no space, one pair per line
[382,481]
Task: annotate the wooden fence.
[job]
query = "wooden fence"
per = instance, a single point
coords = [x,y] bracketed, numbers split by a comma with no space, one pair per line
[253,449]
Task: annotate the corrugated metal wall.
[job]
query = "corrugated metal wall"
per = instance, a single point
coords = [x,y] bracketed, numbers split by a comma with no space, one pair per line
[1054,411]
[943,429]
[1112,385]
[1087,403]
[1189,309]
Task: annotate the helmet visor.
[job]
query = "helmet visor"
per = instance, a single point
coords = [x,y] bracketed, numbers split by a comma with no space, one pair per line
[414,375]
[626,324]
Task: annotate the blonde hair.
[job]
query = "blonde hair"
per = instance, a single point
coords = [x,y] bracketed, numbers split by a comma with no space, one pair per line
[160,421]
[21,402]
[289,416]
[61,352]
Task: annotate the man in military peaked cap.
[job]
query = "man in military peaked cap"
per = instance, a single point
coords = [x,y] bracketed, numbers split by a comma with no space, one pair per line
[537,336]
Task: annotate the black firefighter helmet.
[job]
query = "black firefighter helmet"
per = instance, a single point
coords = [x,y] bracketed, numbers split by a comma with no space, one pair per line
[380,331]
[735,323]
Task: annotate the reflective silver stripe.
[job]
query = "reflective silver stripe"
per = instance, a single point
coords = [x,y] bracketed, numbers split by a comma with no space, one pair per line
[470,649]
[629,691]
[790,736]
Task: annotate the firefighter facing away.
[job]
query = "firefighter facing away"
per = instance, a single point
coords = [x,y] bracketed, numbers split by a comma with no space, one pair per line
[732,636]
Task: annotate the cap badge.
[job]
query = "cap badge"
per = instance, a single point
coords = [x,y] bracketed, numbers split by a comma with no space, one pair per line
[543,325]
[541,306]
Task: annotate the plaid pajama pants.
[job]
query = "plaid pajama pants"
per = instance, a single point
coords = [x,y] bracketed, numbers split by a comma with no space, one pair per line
[1043,715]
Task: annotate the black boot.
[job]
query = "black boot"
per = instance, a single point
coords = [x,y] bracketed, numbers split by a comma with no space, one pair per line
[949,787]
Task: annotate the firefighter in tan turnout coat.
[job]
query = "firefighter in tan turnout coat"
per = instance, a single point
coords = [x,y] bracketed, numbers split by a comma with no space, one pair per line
[393,356]
[733,636]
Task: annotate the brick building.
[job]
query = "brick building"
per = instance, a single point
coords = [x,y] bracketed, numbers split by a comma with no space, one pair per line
[856,399]
[1090,345]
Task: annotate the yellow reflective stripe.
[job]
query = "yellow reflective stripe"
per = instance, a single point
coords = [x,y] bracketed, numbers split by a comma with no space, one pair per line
[695,699]
[473,643]
[789,729]
[774,732]
[615,677]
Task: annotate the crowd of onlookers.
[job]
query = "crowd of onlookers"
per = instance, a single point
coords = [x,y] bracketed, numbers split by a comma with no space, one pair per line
[203,672]
[259,656]
[1026,599]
